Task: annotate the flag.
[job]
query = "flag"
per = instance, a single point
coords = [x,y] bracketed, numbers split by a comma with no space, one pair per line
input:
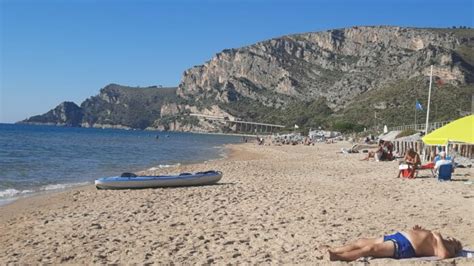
[296,126]
[418,106]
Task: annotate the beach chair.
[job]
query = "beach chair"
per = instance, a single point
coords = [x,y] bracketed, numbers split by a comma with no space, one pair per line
[430,165]
[445,172]
[427,166]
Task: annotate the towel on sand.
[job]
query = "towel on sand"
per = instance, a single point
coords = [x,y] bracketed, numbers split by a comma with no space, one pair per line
[465,253]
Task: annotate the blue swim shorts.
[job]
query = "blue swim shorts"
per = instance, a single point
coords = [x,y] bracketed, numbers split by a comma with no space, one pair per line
[403,247]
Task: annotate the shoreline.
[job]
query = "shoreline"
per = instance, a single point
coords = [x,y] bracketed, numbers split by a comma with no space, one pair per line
[30,193]
[34,194]
[274,205]
[70,186]
[23,203]
[155,170]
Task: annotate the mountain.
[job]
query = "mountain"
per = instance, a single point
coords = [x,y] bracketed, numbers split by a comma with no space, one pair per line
[343,66]
[329,78]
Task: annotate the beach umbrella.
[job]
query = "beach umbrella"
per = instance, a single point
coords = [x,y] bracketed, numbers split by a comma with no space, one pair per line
[458,131]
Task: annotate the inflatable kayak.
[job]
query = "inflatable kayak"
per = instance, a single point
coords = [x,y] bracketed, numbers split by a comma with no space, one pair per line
[128,180]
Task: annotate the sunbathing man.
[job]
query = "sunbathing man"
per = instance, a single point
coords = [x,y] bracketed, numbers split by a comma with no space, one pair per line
[417,242]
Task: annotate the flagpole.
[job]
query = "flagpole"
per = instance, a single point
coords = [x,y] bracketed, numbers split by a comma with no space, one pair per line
[429,99]
[416,102]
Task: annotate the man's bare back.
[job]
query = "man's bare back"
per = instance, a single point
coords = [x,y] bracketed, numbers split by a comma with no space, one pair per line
[427,243]
[417,242]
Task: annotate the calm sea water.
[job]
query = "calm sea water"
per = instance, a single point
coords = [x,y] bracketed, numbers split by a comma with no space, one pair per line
[42,158]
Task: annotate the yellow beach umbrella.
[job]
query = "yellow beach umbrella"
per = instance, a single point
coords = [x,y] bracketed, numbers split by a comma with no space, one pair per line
[460,131]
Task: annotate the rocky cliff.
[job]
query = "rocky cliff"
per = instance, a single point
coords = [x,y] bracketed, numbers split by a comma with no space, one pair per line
[336,64]
[275,80]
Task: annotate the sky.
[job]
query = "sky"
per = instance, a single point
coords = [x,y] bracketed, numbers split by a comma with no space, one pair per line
[67,50]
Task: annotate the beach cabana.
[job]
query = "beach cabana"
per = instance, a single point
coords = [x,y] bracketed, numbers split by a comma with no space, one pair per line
[458,131]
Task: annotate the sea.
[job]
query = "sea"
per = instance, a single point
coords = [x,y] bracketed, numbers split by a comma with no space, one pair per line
[39,159]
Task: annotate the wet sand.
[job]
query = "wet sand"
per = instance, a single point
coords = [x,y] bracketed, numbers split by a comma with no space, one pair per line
[274,205]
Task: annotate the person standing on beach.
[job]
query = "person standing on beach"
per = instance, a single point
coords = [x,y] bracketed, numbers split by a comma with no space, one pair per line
[417,242]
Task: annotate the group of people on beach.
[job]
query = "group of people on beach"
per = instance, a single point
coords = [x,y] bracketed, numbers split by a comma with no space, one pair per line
[411,160]
[417,242]
[384,152]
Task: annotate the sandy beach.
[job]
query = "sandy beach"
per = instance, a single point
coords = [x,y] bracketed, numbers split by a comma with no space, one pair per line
[274,205]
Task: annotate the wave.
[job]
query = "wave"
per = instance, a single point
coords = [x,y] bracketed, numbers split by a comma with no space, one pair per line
[62,186]
[161,166]
[11,192]
[223,153]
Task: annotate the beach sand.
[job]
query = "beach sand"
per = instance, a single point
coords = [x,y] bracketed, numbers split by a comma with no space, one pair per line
[274,205]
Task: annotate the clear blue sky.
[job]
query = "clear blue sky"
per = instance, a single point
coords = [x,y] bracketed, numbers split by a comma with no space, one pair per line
[58,50]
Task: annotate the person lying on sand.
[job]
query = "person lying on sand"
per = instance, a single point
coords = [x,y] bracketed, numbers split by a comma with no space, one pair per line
[417,242]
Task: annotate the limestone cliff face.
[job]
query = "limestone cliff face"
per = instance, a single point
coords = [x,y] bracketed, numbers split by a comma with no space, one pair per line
[335,64]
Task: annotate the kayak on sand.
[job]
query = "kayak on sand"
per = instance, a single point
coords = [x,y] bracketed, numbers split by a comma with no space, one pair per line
[129,180]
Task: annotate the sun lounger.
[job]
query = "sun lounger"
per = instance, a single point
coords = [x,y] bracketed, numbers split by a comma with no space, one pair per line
[427,166]
[406,170]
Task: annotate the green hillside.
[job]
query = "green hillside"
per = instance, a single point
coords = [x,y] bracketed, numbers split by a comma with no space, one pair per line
[127,106]
[395,104]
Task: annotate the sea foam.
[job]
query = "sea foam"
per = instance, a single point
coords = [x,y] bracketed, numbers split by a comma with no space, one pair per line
[11,192]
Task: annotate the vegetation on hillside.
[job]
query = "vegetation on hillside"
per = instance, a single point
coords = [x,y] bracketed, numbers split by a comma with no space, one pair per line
[66,113]
[395,104]
[127,106]
[391,105]
[166,121]
[305,114]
